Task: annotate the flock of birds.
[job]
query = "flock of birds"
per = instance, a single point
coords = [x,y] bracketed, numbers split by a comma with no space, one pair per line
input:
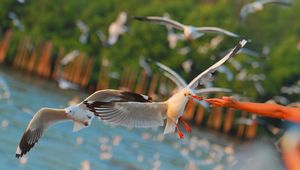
[135,110]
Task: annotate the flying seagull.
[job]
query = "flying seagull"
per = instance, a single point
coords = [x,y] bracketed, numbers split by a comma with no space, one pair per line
[117,28]
[63,83]
[46,117]
[190,32]
[143,113]
[259,5]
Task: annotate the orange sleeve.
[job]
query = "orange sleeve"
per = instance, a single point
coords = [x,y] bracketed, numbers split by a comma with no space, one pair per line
[270,110]
[291,159]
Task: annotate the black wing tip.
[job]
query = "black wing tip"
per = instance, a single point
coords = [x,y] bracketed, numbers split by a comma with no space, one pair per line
[18,156]
[140,18]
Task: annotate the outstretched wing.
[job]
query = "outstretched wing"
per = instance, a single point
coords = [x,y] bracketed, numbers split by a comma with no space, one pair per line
[171,74]
[40,121]
[110,95]
[212,90]
[162,21]
[207,74]
[130,114]
[216,30]
[278,2]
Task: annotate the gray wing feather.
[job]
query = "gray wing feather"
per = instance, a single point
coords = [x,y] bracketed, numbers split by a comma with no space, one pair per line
[216,30]
[162,21]
[207,74]
[133,114]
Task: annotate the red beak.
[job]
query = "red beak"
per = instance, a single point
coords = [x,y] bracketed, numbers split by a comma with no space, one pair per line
[197,97]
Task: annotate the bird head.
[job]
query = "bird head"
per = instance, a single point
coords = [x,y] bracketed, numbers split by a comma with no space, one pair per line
[70,111]
[190,93]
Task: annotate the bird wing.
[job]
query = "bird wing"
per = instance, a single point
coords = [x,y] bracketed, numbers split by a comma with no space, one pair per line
[171,74]
[212,90]
[246,9]
[279,2]
[162,21]
[207,74]
[216,30]
[110,95]
[130,114]
[40,121]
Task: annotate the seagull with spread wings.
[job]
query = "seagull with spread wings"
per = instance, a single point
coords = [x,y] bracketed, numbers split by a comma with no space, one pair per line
[120,108]
[46,117]
[111,107]
[258,6]
[190,32]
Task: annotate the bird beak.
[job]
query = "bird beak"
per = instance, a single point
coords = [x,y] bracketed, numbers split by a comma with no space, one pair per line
[196,97]
[66,114]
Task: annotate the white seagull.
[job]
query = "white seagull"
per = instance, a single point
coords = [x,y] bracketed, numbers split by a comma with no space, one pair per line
[62,83]
[82,116]
[84,29]
[258,6]
[171,35]
[46,117]
[117,28]
[190,32]
[119,110]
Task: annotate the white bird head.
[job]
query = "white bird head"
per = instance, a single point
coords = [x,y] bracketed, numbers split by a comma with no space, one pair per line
[71,110]
[79,114]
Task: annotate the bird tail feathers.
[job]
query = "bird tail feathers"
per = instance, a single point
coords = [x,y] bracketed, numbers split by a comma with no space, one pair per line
[170,126]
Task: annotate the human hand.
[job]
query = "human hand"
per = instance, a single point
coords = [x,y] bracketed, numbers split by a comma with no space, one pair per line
[223,102]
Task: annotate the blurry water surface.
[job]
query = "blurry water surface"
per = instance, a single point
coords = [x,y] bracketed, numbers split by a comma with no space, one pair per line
[102,146]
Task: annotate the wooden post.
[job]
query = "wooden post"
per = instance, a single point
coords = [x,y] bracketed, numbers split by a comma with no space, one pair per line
[189,110]
[18,57]
[251,131]
[199,115]
[228,121]
[142,83]
[57,63]
[241,127]
[215,119]
[132,80]
[103,81]
[44,65]
[4,44]
[153,85]
[87,72]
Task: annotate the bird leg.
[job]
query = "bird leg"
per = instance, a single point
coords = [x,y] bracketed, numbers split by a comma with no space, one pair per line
[187,127]
[180,134]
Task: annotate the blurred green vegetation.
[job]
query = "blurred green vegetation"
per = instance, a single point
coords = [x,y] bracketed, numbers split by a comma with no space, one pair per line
[275,27]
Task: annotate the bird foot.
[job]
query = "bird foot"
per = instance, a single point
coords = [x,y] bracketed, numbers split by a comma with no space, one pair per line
[180,134]
[187,127]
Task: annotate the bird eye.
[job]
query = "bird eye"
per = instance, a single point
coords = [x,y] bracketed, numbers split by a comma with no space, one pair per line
[88,116]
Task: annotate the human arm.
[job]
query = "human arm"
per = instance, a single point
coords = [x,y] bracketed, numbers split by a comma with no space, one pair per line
[263,109]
